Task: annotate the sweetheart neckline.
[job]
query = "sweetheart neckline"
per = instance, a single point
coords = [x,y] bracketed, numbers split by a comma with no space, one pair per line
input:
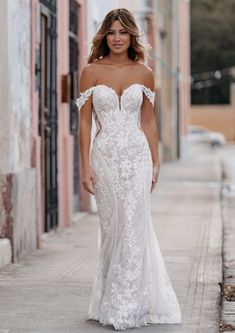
[124,90]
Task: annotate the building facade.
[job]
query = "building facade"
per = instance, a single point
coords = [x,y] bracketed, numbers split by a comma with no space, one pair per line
[172,63]
[42,53]
[57,29]
[18,177]
[166,27]
[43,47]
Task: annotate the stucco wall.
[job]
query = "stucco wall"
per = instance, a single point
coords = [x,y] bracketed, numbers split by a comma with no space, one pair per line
[220,118]
[24,213]
[4,87]
[17,178]
[184,67]
[14,85]
[18,211]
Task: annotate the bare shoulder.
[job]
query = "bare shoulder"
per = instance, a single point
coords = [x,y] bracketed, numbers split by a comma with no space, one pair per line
[147,75]
[88,76]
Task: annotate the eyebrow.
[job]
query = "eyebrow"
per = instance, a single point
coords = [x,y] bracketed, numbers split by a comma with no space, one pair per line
[119,29]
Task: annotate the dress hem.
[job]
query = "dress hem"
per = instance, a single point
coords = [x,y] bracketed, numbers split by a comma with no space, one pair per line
[144,322]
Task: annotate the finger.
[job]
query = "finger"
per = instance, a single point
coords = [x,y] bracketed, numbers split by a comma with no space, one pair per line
[152,188]
[94,181]
[87,188]
[93,184]
[154,182]
[90,191]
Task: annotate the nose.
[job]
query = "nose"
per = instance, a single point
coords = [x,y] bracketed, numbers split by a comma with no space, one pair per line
[117,37]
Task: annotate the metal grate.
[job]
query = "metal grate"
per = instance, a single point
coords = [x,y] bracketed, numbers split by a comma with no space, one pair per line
[48,112]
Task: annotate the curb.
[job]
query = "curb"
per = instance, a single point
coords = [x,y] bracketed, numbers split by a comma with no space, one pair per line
[228,286]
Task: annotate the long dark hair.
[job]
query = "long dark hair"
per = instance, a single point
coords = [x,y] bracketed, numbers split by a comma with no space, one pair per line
[100,47]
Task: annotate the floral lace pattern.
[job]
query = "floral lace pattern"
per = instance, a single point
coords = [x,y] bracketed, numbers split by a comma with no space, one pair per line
[131,287]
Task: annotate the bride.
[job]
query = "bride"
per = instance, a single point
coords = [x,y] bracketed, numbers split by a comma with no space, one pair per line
[131,287]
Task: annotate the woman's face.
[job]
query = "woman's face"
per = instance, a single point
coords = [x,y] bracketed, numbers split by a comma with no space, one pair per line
[118,39]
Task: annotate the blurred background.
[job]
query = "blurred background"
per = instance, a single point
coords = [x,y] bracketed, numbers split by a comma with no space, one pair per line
[43,47]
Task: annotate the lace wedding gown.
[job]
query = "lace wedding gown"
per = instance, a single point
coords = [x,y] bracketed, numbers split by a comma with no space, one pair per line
[131,287]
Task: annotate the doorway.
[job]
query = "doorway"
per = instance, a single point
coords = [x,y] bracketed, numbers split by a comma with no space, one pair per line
[48,113]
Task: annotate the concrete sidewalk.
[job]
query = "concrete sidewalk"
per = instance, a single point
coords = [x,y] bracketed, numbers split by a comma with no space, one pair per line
[49,291]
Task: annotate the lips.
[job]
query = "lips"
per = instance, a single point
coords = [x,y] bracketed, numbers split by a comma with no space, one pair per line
[117,44]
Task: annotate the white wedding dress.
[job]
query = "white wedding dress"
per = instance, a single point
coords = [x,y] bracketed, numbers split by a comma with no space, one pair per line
[131,287]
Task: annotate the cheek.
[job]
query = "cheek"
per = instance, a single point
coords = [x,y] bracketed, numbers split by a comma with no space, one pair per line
[127,39]
[108,39]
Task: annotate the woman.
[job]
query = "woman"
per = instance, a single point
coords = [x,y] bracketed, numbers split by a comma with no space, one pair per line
[131,288]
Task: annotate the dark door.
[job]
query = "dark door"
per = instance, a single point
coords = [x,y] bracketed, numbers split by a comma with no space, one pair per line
[48,112]
[73,65]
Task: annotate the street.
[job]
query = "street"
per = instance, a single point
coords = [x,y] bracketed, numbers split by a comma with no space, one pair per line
[49,290]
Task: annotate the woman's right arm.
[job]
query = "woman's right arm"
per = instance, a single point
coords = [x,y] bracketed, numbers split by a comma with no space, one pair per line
[87,80]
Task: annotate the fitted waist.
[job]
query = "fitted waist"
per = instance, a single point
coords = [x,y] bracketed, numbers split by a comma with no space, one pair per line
[124,138]
[119,130]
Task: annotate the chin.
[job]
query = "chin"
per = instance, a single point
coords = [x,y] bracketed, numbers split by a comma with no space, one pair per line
[118,51]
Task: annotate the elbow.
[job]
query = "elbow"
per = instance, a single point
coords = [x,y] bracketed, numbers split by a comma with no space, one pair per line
[84,131]
[149,126]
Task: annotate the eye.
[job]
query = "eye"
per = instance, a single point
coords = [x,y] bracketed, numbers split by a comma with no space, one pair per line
[110,33]
[123,32]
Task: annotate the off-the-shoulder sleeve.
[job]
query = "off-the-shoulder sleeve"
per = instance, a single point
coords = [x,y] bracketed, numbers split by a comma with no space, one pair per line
[81,100]
[150,94]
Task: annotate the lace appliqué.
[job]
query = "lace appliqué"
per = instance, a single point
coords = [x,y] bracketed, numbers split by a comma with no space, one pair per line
[84,96]
[131,287]
[150,94]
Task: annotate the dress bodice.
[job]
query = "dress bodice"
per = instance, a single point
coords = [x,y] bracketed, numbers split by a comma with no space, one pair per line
[110,109]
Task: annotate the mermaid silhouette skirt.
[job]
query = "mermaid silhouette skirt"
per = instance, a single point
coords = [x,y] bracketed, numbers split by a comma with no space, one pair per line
[131,287]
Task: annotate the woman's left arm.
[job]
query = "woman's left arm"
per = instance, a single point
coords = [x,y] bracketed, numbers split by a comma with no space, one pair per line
[149,126]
